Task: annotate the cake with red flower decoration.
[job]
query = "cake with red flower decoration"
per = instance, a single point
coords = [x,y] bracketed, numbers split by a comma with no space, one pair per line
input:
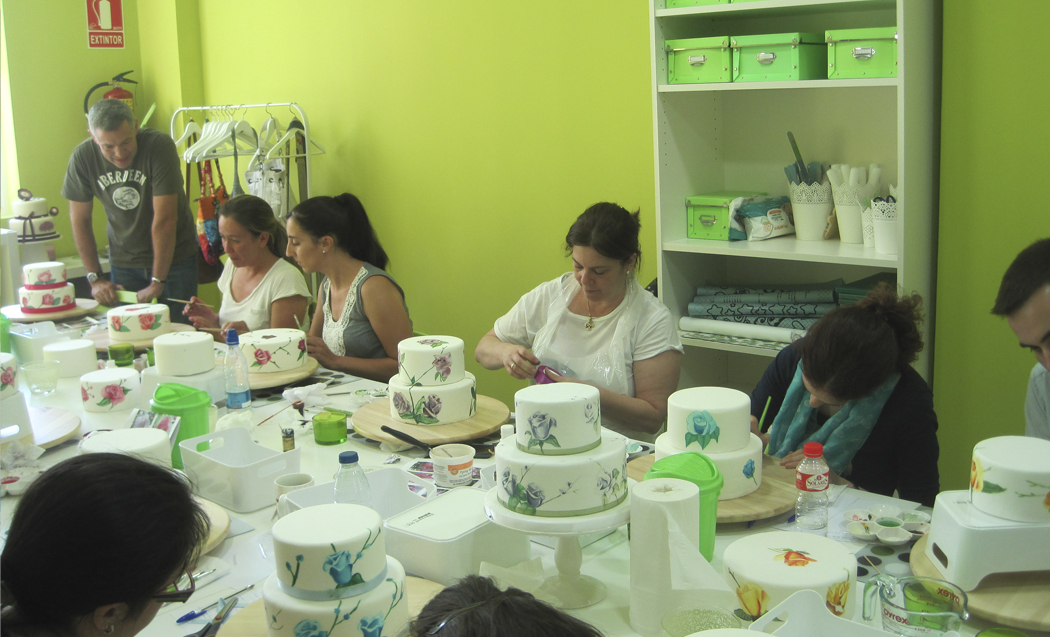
[138,322]
[333,576]
[274,350]
[46,290]
[431,386]
[110,389]
[766,568]
[8,375]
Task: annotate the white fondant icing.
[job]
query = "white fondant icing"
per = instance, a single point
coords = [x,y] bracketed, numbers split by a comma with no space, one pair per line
[709,419]
[75,358]
[108,389]
[184,353]
[1010,478]
[36,224]
[138,322]
[8,375]
[54,300]
[562,486]
[766,568]
[381,611]
[430,360]
[434,404]
[45,273]
[739,477]
[274,350]
[558,418]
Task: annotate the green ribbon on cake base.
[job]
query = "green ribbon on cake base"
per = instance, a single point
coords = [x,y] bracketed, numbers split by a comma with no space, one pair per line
[569,514]
[330,594]
[557,451]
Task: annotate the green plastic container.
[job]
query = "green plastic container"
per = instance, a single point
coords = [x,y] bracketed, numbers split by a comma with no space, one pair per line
[674,4]
[5,334]
[707,216]
[701,471]
[862,53]
[779,57]
[189,404]
[698,60]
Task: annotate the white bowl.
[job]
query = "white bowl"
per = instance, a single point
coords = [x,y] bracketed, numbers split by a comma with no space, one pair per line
[864,531]
[884,510]
[912,518]
[917,528]
[887,522]
[858,515]
[894,536]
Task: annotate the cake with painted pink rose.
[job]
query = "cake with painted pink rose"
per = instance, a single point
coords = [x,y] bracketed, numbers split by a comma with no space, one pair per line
[715,422]
[107,390]
[431,386]
[138,322]
[46,290]
[274,350]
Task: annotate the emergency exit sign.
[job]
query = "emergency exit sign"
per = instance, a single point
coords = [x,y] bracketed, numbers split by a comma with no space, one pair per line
[105,23]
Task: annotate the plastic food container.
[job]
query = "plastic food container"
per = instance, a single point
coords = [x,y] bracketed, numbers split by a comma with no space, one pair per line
[389,486]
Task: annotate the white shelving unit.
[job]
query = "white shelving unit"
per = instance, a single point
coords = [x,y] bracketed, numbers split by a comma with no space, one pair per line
[733,136]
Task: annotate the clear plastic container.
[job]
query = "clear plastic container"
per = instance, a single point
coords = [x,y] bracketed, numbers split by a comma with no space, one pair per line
[238,392]
[812,480]
[351,483]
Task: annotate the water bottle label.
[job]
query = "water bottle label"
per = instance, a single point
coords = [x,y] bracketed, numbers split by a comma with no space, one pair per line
[238,400]
[811,482]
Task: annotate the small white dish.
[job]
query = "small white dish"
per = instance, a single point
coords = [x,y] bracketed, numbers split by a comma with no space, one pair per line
[888,523]
[858,515]
[864,531]
[894,536]
[884,511]
[913,517]
[917,528]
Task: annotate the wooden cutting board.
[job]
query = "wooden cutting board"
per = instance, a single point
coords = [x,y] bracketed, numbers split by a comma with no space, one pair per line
[490,415]
[102,340]
[251,620]
[52,426]
[220,523]
[774,496]
[276,379]
[1021,600]
[84,306]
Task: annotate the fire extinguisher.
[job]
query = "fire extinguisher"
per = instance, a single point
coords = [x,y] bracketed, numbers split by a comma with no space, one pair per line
[118,92]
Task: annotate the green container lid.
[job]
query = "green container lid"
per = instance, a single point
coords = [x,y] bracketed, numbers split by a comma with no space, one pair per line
[173,396]
[692,467]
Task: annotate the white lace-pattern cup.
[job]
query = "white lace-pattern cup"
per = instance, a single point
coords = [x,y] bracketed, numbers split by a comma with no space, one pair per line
[811,206]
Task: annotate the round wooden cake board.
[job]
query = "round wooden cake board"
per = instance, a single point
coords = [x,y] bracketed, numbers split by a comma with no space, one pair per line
[490,415]
[1020,600]
[84,306]
[103,341]
[276,379]
[220,523]
[251,620]
[52,426]
[776,494]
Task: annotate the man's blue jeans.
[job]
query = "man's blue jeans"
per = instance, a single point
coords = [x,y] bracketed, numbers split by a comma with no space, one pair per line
[180,284]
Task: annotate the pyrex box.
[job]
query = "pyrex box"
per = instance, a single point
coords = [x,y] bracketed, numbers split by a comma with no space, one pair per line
[779,57]
[707,216]
[862,53]
[698,60]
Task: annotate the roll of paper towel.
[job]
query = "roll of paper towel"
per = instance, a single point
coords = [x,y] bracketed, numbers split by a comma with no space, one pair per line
[665,557]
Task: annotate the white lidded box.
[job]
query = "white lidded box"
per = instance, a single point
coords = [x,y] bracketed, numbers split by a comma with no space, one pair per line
[232,470]
[448,537]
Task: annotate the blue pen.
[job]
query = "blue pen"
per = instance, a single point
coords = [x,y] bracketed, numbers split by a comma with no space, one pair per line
[194,614]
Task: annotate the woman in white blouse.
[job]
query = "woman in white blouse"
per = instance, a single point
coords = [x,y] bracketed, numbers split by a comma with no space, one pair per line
[259,288]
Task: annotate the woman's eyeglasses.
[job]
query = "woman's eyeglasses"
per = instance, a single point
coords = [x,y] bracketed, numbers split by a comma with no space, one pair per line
[178,592]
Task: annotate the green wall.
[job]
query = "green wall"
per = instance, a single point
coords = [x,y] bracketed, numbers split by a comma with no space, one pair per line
[995,138]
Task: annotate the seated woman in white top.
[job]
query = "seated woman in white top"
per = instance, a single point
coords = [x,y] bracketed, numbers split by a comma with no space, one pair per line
[597,326]
[259,288]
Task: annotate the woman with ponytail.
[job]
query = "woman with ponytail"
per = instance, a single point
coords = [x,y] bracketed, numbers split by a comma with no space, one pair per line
[849,385]
[260,289]
[361,313]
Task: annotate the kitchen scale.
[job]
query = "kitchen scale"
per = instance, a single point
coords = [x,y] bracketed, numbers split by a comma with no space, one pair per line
[967,544]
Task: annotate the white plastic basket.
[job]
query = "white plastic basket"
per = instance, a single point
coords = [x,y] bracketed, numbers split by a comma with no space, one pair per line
[804,615]
[233,471]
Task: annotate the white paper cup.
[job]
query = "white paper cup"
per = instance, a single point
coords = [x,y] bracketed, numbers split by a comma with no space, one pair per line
[851,228]
[811,219]
[453,465]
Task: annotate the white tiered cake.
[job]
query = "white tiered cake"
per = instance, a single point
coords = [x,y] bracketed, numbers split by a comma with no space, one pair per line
[274,350]
[431,387]
[333,571]
[33,220]
[138,322]
[46,289]
[560,463]
[715,422]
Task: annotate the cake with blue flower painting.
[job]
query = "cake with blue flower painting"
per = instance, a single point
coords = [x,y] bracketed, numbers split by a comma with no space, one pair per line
[560,463]
[715,422]
[431,386]
[333,577]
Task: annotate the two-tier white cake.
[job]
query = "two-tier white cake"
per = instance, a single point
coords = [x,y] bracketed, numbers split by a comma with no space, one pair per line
[45,288]
[431,386]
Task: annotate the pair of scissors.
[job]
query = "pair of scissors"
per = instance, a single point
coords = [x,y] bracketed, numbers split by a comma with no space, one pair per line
[890,199]
[212,627]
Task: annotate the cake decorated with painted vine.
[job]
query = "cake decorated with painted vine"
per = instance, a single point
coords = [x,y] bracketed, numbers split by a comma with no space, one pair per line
[333,576]
[138,321]
[560,462]
[274,350]
[431,386]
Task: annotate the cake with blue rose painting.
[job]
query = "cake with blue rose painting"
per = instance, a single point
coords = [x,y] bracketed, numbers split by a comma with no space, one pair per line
[559,462]
[333,576]
[715,422]
[431,386]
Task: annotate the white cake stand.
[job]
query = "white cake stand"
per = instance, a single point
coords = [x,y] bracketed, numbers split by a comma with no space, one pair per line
[568,589]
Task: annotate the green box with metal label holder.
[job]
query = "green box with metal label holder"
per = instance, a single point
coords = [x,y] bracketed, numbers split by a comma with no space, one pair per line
[779,57]
[674,4]
[708,215]
[698,60]
[862,53]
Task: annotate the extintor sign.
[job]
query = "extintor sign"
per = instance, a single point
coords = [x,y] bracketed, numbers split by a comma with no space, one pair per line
[105,23]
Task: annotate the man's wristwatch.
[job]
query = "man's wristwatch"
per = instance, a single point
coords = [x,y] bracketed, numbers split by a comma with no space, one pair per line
[156,280]
[93,276]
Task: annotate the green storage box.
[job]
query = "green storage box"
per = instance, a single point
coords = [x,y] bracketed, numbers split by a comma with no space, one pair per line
[674,4]
[698,60]
[779,57]
[708,215]
[862,53]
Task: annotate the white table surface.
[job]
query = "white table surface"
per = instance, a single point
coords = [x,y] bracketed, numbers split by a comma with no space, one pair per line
[249,555]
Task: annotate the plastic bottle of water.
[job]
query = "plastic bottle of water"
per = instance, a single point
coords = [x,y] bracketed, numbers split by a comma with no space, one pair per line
[812,480]
[351,483]
[238,394]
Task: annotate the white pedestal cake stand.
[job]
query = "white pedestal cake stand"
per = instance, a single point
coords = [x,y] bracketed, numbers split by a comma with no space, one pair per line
[568,589]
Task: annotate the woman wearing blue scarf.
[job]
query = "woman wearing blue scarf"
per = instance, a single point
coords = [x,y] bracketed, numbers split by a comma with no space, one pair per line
[849,385]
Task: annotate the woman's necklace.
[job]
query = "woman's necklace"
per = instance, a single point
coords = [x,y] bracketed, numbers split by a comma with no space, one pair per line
[590,319]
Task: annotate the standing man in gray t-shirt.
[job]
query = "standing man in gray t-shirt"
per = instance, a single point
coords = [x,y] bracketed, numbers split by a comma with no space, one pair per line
[136,174]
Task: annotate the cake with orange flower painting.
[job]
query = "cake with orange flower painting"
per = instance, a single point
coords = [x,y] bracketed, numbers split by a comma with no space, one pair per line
[1010,478]
[138,322]
[46,290]
[767,568]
